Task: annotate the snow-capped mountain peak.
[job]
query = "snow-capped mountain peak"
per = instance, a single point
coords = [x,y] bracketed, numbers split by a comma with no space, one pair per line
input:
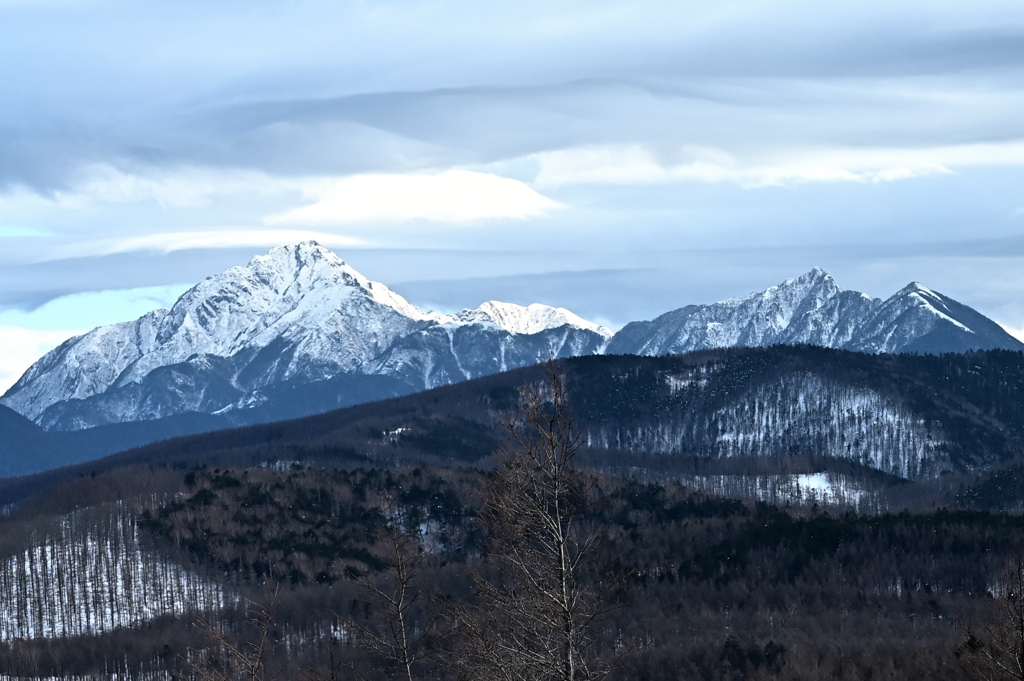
[299,314]
[815,279]
[922,297]
[295,270]
[323,315]
[521,319]
[816,282]
[812,309]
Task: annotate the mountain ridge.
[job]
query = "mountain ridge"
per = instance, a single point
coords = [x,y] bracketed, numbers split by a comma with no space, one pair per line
[812,309]
[300,315]
[913,417]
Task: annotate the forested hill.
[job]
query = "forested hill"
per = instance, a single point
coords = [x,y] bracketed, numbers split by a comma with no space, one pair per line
[152,561]
[787,409]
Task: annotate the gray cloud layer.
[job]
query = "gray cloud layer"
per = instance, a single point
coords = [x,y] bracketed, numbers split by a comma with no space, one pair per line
[341,88]
[705,99]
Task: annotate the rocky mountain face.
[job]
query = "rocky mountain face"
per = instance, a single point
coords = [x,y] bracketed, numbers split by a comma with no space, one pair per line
[813,310]
[298,331]
[299,315]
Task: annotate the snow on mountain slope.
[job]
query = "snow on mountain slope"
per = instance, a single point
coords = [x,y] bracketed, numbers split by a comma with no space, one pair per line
[438,355]
[298,314]
[513,318]
[917,319]
[812,309]
[806,309]
[330,317]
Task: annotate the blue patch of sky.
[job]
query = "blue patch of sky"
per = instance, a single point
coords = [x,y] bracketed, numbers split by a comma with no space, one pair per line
[11,231]
[84,311]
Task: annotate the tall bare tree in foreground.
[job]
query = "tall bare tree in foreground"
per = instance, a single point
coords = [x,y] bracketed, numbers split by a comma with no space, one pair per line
[534,619]
[405,623]
[994,650]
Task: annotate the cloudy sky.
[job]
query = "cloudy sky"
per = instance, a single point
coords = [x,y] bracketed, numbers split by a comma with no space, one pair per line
[620,159]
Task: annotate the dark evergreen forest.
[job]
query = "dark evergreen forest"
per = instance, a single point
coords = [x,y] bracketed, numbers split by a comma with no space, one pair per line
[710,560]
[713,589]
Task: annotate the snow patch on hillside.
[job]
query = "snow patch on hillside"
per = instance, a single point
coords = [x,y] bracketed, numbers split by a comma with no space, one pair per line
[805,489]
[93,579]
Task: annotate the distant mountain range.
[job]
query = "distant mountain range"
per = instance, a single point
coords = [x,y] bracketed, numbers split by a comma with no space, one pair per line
[298,331]
[813,310]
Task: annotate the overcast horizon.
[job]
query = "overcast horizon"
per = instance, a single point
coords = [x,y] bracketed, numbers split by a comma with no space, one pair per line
[619,160]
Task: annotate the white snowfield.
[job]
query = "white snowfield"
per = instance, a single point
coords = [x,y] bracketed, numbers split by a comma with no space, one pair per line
[525,320]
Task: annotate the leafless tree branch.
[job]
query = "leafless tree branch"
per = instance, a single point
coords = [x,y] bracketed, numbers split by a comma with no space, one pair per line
[536,604]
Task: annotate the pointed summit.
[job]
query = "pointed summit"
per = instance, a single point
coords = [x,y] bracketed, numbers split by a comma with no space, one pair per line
[814,274]
[815,278]
[918,319]
[812,309]
[297,315]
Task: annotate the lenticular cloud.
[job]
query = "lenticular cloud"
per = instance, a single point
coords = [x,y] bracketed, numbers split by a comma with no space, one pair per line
[451,196]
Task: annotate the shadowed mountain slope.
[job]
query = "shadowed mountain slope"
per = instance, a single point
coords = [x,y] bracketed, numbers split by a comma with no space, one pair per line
[785,407]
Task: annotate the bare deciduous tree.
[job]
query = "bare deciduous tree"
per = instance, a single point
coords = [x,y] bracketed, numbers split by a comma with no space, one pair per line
[994,650]
[404,624]
[534,619]
[227,660]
